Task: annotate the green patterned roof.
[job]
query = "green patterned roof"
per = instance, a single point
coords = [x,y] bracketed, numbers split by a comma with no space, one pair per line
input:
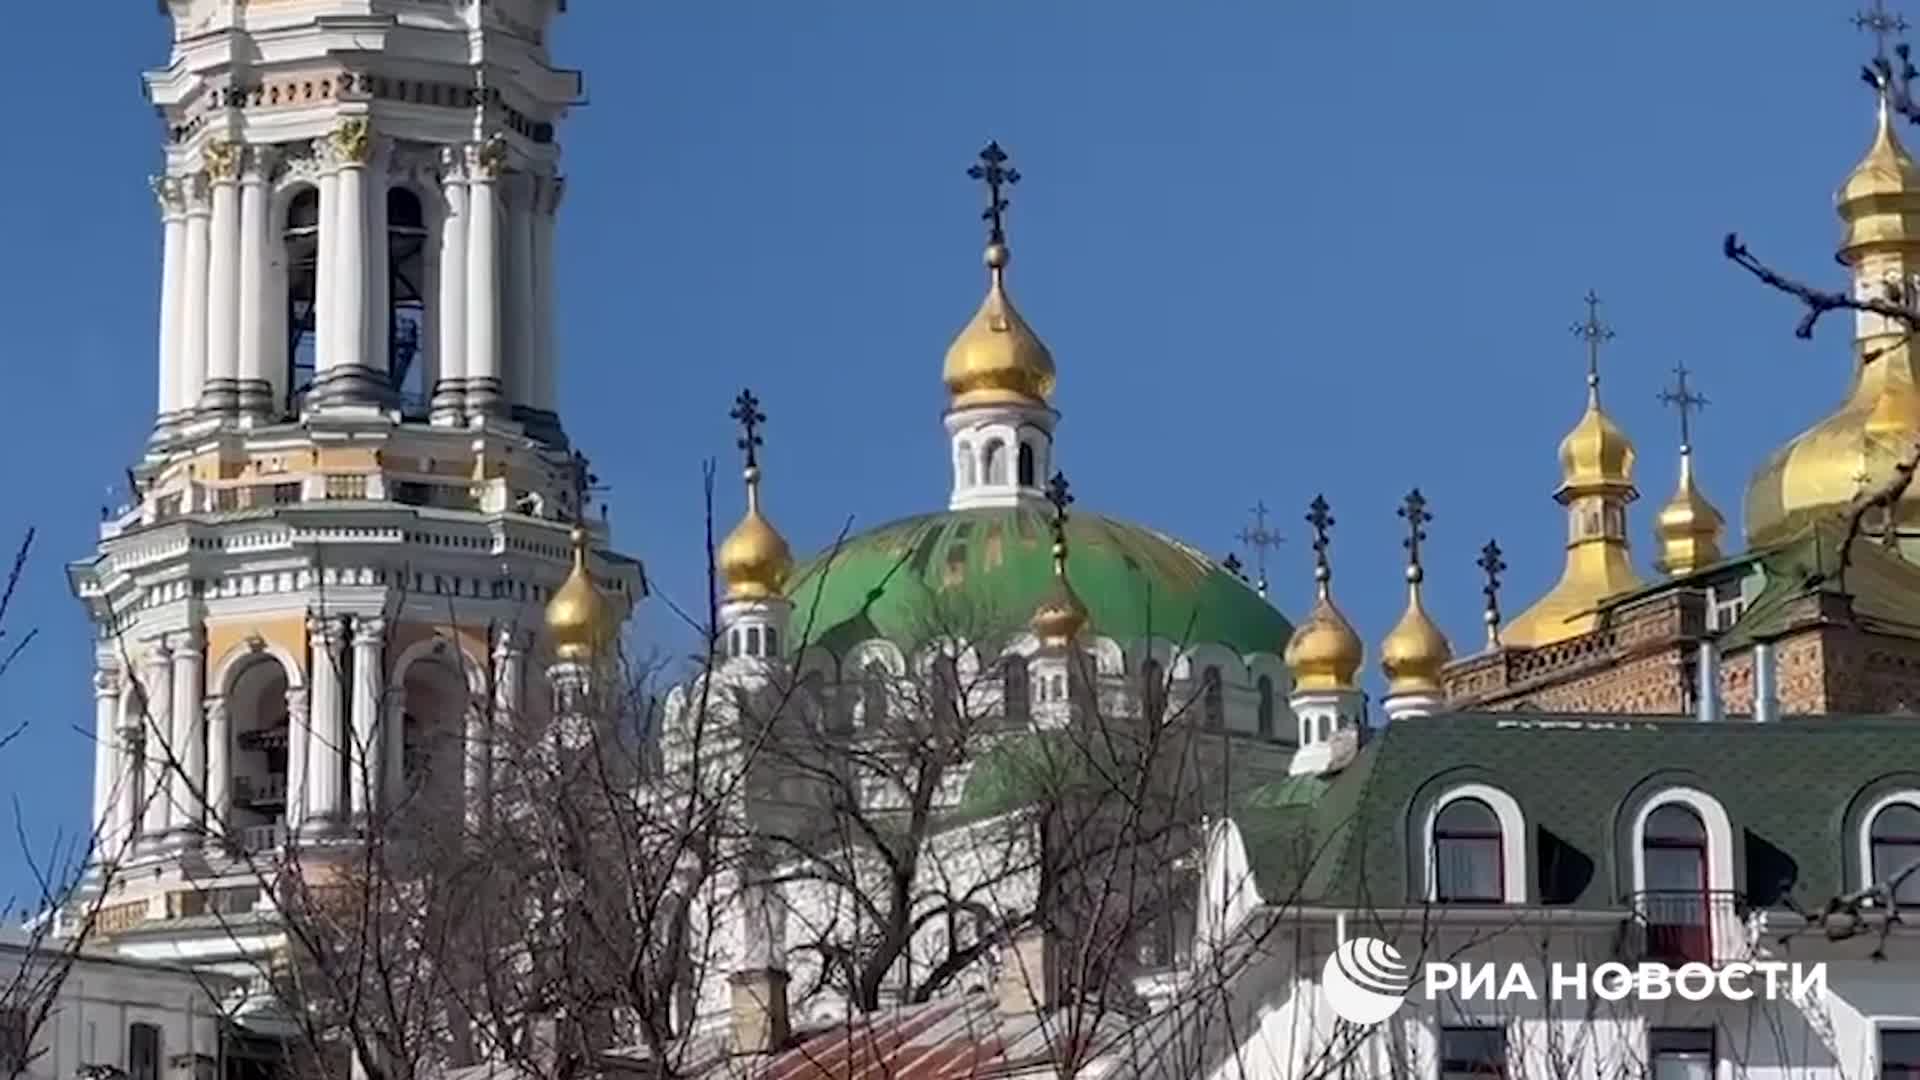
[979,574]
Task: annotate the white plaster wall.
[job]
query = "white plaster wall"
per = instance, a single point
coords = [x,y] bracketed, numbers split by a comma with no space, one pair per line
[98,1001]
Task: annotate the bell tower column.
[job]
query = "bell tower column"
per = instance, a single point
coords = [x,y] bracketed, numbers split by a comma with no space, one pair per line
[193,334]
[485,387]
[449,393]
[350,374]
[172,194]
[221,394]
[259,392]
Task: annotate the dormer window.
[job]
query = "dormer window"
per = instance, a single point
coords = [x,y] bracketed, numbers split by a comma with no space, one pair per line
[1466,854]
[1893,845]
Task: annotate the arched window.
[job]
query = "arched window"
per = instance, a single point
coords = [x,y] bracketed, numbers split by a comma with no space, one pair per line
[301,238]
[1263,722]
[964,459]
[946,692]
[873,694]
[1893,841]
[993,462]
[1026,464]
[1213,698]
[406,296]
[770,639]
[1153,690]
[1675,906]
[1468,866]
[1017,690]
[1326,727]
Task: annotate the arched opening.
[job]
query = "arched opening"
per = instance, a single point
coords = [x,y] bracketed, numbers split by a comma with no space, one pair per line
[256,700]
[993,462]
[1153,690]
[1026,464]
[300,238]
[873,694]
[1263,719]
[1016,688]
[1326,727]
[1213,699]
[432,738]
[963,455]
[407,298]
[1675,905]
[1893,842]
[1468,866]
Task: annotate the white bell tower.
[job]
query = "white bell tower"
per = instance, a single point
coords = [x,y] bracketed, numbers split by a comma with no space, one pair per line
[323,600]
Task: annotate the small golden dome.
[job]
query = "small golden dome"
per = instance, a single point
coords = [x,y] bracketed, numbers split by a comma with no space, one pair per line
[998,359]
[1415,651]
[1880,201]
[1596,454]
[1325,653]
[579,619]
[1687,531]
[1061,616]
[754,559]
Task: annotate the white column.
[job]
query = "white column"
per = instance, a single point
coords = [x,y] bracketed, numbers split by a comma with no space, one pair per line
[260,394]
[351,375]
[326,273]
[193,336]
[106,763]
[158,750]
[189,736]
[366,764]
[219,786]
[128,779]
[299,740]
[517,313]
[484,387]
[448,392]
[171,192]
[328,742]
[221,394]
[546,372]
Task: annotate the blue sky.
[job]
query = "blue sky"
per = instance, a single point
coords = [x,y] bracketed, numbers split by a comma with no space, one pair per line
[1277,249]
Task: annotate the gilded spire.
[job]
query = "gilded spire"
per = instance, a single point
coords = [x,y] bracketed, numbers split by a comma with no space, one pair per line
[1492,566]
[1414,653]
[1596,484]
[1324,652]
[579,619]
[1688,528]
[1061,616]
[997,359]
[754,559]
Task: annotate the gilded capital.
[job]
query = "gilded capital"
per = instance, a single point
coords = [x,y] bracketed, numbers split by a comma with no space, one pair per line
[224,160]
[487,159]
[171,194]
[352,141]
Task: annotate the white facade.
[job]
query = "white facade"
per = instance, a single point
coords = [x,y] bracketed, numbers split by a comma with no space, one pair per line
[116,1012]
[327,583]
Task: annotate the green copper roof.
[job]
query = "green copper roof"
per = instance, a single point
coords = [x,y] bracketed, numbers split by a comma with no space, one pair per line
[978,574]
[1789,789]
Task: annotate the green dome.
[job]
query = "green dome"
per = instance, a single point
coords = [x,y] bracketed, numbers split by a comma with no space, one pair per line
[978,574]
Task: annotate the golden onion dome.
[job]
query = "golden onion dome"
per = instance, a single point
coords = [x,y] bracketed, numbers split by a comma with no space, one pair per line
[1060,616]
[1880,200]
[1324,652]
[579,619]
[754,559]
[1596,454]
[998,359]
[1687,530]
[1415,651]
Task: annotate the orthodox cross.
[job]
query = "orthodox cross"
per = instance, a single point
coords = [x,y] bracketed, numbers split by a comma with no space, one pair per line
[1414,512]
[1882,24]
[995,173]
[746,412]
[1059,494]
[1493,566]
[1595,333]
[1258,539]
[1231,564]
[1320,518]
[1685,402]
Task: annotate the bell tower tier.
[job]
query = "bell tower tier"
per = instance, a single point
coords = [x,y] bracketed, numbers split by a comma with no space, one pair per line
[323,605]
[358,208]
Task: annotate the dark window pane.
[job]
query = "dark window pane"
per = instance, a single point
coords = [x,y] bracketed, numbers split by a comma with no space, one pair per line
[1680,1053]
[1472,1052]
[1468,862]
[1900,1054]
[1675,823]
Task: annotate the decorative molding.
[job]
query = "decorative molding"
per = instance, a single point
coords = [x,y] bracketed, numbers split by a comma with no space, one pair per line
[224,159]
[486,160]
[352,142]
[171,192]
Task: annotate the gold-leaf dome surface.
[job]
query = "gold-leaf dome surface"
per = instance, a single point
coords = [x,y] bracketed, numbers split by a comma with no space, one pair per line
[1415,650]
[579,619]
[1687,530]
[1325,653]
[1596,453]
[754,559]
[998,359]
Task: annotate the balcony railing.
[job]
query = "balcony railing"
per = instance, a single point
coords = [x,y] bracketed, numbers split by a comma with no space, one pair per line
[258,838]
[1687,926]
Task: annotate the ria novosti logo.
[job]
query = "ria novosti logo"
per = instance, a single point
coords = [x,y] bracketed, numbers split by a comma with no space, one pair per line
[1366,981]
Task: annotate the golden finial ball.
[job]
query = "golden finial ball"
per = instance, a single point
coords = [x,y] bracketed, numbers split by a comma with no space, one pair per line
[997,256]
